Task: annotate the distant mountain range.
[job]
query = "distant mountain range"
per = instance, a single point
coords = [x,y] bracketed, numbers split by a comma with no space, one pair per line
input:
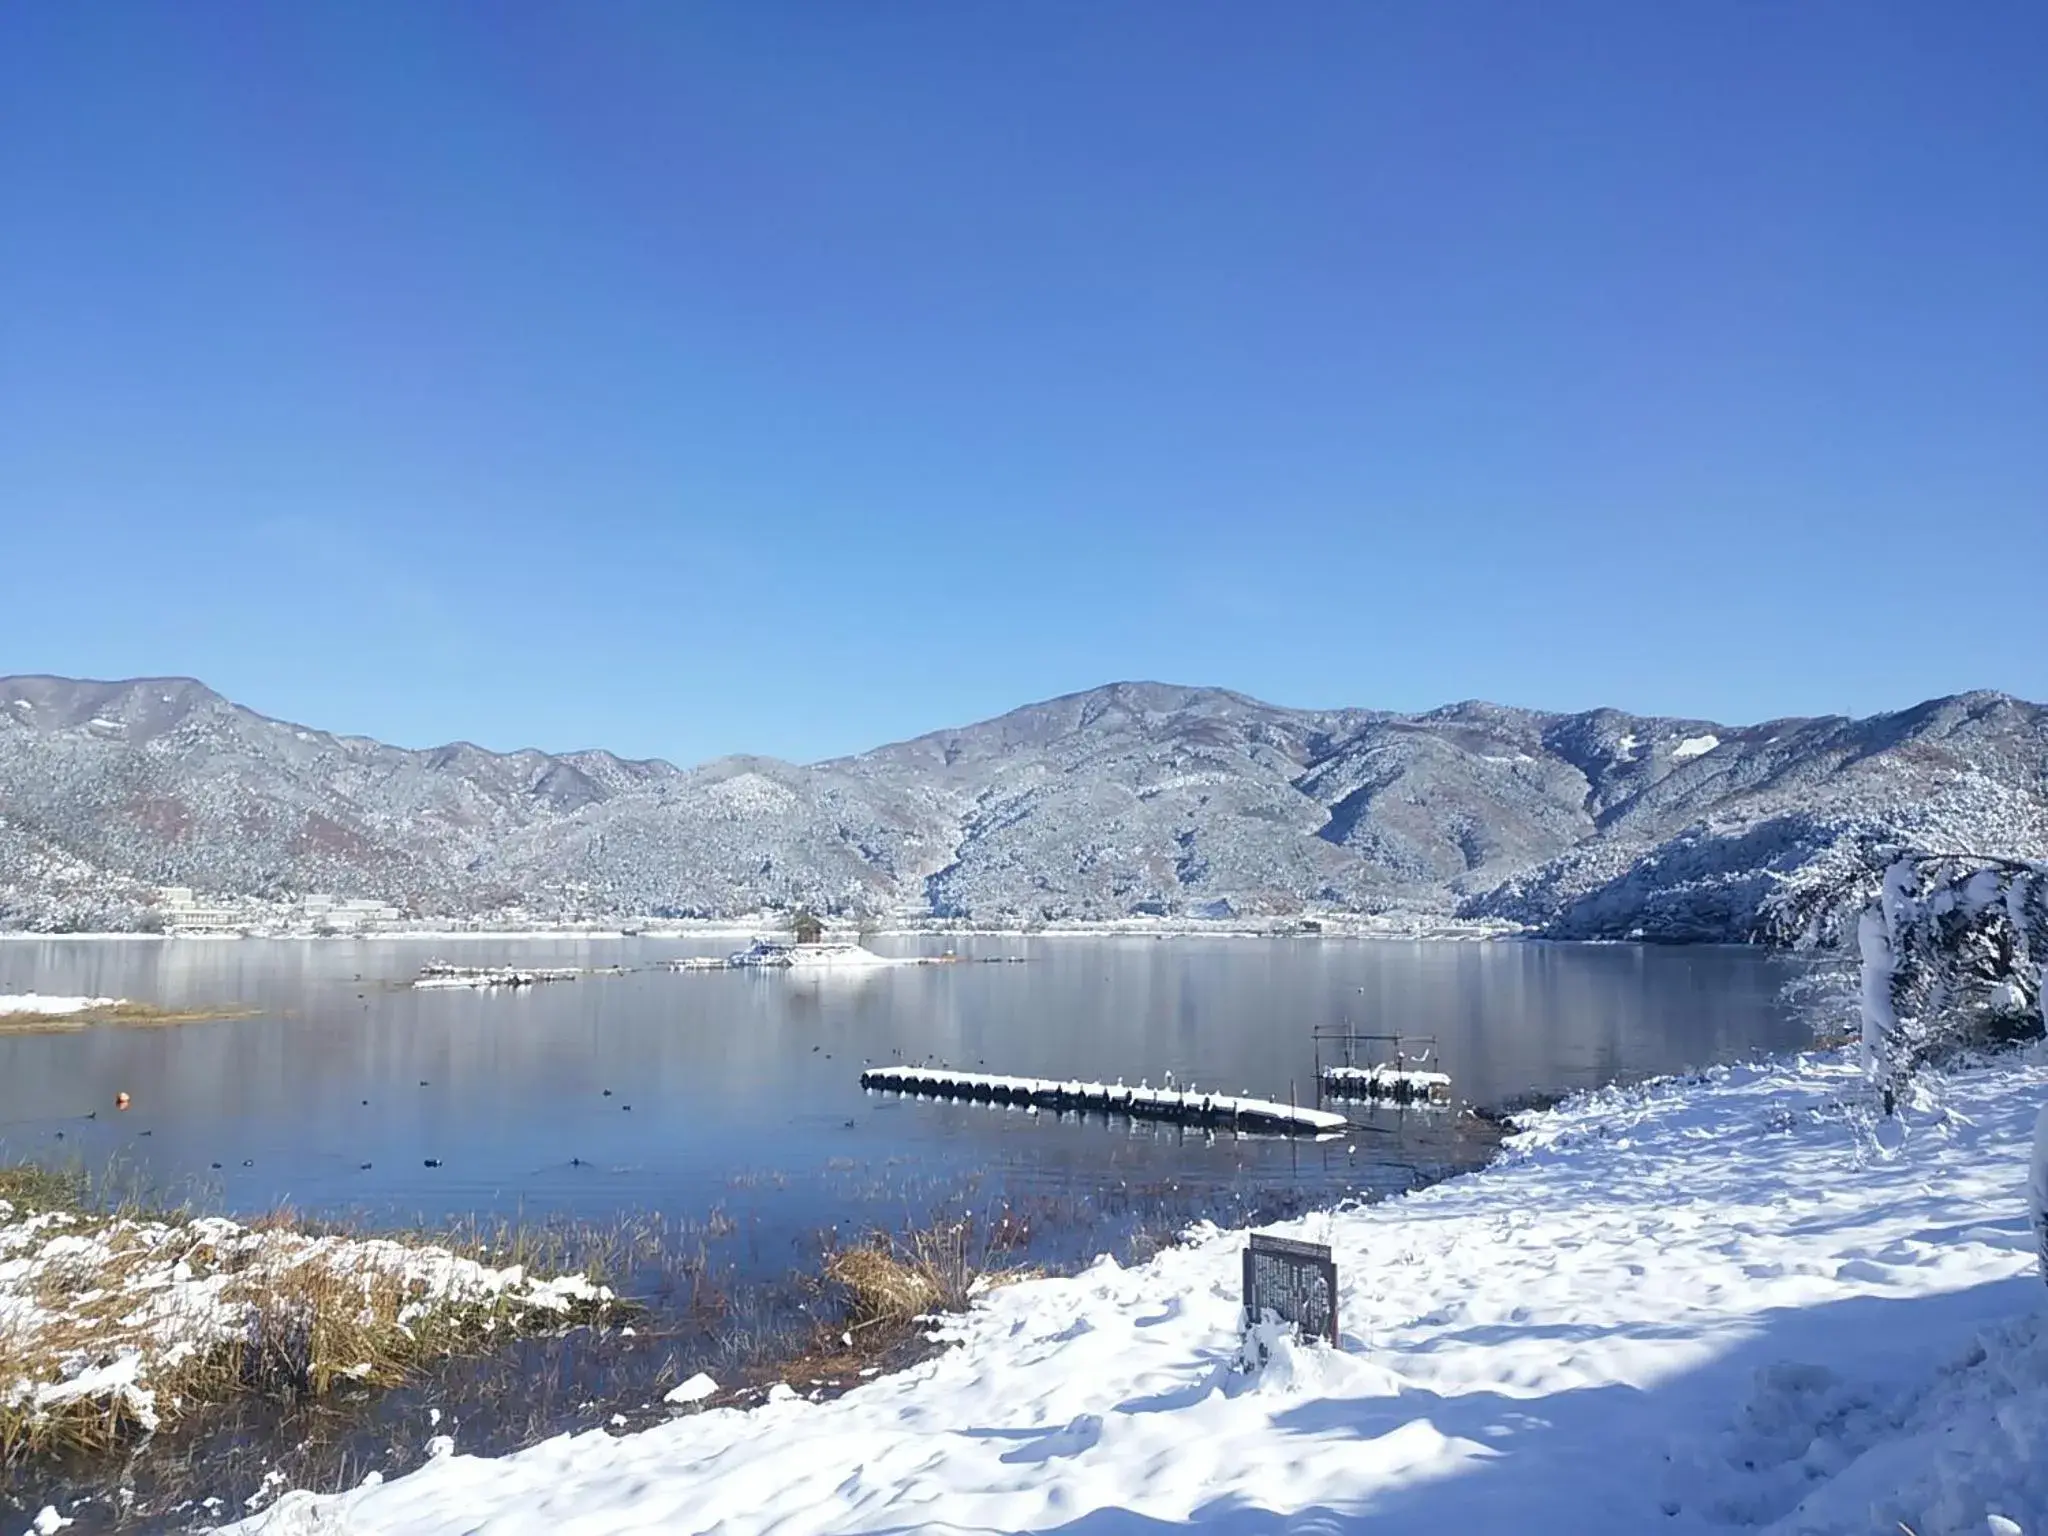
[1131,798]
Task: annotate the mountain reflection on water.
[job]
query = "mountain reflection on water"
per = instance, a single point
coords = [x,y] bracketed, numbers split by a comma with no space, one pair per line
[736,1092]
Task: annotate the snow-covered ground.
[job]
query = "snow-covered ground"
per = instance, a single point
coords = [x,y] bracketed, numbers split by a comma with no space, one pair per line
[1688,1307]
[40,1005]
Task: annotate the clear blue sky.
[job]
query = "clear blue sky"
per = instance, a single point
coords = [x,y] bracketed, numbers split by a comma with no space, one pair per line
[689,379]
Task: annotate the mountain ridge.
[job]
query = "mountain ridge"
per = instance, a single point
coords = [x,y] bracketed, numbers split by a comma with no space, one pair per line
[1133,797]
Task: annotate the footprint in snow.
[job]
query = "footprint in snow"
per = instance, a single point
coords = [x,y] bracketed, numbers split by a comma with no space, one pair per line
[1079,1435]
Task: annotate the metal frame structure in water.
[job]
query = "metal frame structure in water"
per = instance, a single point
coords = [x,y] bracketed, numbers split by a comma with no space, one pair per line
[1379,1077]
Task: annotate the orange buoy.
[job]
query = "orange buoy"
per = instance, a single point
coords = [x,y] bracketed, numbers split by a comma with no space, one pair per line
[120,1101]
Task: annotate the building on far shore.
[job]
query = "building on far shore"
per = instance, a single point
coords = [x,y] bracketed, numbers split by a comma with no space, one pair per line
[185,912]
[345,914]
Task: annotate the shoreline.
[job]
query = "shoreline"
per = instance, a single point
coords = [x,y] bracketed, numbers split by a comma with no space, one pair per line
[1447,932]
[1641,1273]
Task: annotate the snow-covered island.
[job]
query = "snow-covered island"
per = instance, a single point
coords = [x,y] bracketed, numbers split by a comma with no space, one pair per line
[40,1012]
[37,1005]
[823,955]
[782,954]
[436,975]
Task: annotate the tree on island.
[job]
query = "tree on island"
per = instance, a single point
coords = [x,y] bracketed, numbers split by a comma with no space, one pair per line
[807,927]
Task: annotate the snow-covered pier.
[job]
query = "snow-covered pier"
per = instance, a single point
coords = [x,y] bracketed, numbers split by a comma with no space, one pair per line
[1188,1105]
[1402,1085]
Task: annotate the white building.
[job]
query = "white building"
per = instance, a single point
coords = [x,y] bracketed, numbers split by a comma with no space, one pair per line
[346,914]
[185,912]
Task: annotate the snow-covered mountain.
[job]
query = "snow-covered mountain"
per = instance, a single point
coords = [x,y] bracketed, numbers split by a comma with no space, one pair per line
[1136,797]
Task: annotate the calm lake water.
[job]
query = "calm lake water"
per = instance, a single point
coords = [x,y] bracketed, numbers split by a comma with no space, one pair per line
[737,1092]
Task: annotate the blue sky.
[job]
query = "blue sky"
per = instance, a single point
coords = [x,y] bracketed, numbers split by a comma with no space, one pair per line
[791,378]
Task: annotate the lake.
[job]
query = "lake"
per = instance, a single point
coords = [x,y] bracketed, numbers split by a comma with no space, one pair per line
[733,1096]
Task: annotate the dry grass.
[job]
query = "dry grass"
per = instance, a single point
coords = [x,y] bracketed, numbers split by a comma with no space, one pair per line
[189,1311]
[883,1284]
[938,1267]
[31,1189]
[888,1286]
[316,1325]
[130,1015]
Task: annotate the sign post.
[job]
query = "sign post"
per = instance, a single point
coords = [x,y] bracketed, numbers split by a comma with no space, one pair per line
[1296,1282]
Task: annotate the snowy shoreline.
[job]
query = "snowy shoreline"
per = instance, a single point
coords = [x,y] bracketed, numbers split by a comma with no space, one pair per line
[1683,1305]
[1332,926]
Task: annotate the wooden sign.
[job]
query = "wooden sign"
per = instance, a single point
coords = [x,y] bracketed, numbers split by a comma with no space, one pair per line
[1296,1282]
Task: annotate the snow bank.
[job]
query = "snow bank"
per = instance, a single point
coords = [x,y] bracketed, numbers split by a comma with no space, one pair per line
[39,1005]
[1682,1308]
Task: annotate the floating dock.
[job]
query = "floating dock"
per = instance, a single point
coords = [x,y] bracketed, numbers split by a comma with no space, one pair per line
[1189,1106]
[1385,1073]
[1403,1085]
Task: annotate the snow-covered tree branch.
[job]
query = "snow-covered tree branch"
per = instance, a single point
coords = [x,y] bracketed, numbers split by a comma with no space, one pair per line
[1953,949]
[1954,954]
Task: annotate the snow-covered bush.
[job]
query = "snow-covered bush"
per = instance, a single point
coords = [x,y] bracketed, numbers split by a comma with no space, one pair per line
[1954,954]
[1953,949]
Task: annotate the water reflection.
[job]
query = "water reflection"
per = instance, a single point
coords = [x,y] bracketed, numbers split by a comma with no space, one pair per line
[738,1090]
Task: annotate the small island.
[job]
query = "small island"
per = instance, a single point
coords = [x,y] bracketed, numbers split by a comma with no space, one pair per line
[34,1012]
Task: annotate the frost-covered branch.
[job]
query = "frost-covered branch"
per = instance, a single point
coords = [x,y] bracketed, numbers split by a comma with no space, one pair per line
[1954,954]
[1953,950]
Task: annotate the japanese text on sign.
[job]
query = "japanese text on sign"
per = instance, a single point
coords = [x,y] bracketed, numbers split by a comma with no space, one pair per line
[1296,1282]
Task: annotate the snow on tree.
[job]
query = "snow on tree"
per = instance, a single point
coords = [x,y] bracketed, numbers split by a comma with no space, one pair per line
[1953,949]
[1953,952]
[2037,1189]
